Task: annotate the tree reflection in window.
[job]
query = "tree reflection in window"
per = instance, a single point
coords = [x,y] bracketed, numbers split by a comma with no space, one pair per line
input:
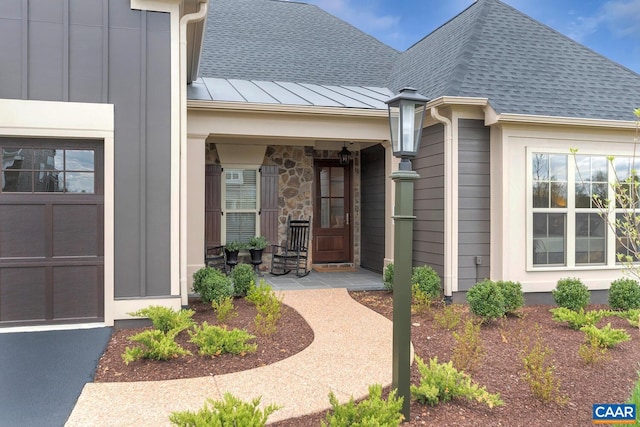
[50,170]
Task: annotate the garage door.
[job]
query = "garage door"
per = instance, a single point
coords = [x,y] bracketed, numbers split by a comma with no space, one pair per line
[51,231]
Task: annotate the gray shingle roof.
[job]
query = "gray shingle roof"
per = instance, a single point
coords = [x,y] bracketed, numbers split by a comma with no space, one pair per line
[289,41]
[490,50]
[522,66]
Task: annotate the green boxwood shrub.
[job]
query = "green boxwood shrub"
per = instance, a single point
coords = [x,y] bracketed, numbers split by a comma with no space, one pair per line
[212,285]
[427,281]
[571,293]
[242,276]
[387,277]
[624,294]
[486,300]
[512,295]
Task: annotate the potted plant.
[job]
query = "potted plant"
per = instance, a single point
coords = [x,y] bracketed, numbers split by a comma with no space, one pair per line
[256,246]
[231,249]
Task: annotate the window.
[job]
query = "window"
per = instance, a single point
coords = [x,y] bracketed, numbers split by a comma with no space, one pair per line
[241,204]
[568,226]
[549,190]
[39,170]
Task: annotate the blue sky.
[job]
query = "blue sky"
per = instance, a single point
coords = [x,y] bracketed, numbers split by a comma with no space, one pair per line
[609,27]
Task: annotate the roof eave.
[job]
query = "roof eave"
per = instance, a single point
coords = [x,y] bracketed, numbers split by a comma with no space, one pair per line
[284,108]
[510,118]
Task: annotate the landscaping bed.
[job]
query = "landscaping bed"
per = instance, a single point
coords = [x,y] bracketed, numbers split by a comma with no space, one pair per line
[500,369]
[292,336]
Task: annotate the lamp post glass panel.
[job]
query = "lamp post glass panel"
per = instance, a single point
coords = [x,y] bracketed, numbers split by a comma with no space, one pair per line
[406,115]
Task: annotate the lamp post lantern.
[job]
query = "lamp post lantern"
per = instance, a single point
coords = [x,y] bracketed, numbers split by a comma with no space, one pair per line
[406,115]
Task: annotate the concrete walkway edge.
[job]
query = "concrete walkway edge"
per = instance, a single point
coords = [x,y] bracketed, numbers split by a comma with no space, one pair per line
[351,350]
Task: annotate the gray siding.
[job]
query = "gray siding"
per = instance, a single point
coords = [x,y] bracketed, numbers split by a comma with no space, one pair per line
[372,201]
[101,51]
[473,202]
[428,229]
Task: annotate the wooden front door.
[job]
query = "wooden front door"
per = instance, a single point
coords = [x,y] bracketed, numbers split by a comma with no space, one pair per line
[332,213]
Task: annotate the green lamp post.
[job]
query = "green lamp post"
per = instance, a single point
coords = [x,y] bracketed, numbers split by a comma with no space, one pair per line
[406,115]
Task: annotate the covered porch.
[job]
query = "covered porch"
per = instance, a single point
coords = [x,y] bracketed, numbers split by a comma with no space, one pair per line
[286,148]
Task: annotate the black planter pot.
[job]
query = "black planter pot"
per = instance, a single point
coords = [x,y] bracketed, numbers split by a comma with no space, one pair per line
[232,257]
[256,257]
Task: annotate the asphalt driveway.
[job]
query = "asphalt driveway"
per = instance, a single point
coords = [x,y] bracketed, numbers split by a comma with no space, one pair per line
[42,374]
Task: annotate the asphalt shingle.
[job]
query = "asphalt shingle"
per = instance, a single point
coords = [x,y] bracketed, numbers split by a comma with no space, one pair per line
[490,50]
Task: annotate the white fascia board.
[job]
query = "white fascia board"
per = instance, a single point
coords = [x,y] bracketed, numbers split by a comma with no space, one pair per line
[193,105]
[156,5]
[505,118]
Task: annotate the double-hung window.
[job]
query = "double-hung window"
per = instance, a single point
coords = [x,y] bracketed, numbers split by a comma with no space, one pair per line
[568,224]
[627,205]
[241,201]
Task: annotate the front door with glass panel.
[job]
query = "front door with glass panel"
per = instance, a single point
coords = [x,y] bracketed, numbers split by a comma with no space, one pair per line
[332,213]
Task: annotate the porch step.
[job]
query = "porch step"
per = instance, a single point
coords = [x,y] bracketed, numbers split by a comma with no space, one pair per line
[334,267]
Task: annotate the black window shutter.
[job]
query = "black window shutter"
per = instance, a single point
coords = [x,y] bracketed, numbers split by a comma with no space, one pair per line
[269,203]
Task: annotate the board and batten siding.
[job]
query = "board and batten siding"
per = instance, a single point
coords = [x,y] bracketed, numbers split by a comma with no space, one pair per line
[372,202]
[101,51]
[474,215]
[428,228]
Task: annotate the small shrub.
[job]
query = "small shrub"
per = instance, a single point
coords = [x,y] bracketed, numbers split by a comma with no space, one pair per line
[225,310]
[441,382]
[427,281]
[605,337]
[259,294]
[449,318]
[624,294]
[372,411]
[212,284]
[468,350]
[242,276]
[420,299]
[214,340]
[539,372]
[590,352]
[269,312]
[571,293]
[387,277]
[486,300]
[231,411]
[578,319]
[633,316]
[166,319]
[512,295]
[157,345]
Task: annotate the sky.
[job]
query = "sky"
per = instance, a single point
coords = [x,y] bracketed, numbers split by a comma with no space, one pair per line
[608,27]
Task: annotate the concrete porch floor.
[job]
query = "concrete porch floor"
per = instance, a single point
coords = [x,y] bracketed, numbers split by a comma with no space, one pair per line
[359,280]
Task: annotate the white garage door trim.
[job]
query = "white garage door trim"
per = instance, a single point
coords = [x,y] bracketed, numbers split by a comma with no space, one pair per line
[72,120]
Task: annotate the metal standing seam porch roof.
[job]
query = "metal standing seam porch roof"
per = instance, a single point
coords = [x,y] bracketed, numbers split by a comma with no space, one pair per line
[288,93]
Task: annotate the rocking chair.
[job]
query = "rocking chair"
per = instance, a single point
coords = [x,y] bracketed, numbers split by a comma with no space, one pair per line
[294,254]
[214,256]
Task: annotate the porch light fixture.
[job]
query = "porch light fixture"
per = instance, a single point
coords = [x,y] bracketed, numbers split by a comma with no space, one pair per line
[406,114]
[344,156]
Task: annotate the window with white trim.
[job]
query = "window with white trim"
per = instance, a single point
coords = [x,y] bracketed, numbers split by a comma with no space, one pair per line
[240,201]
[569,229]
[625,170]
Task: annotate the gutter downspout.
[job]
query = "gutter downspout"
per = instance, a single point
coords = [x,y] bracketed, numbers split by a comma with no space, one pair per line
[450,266]
[184,21]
